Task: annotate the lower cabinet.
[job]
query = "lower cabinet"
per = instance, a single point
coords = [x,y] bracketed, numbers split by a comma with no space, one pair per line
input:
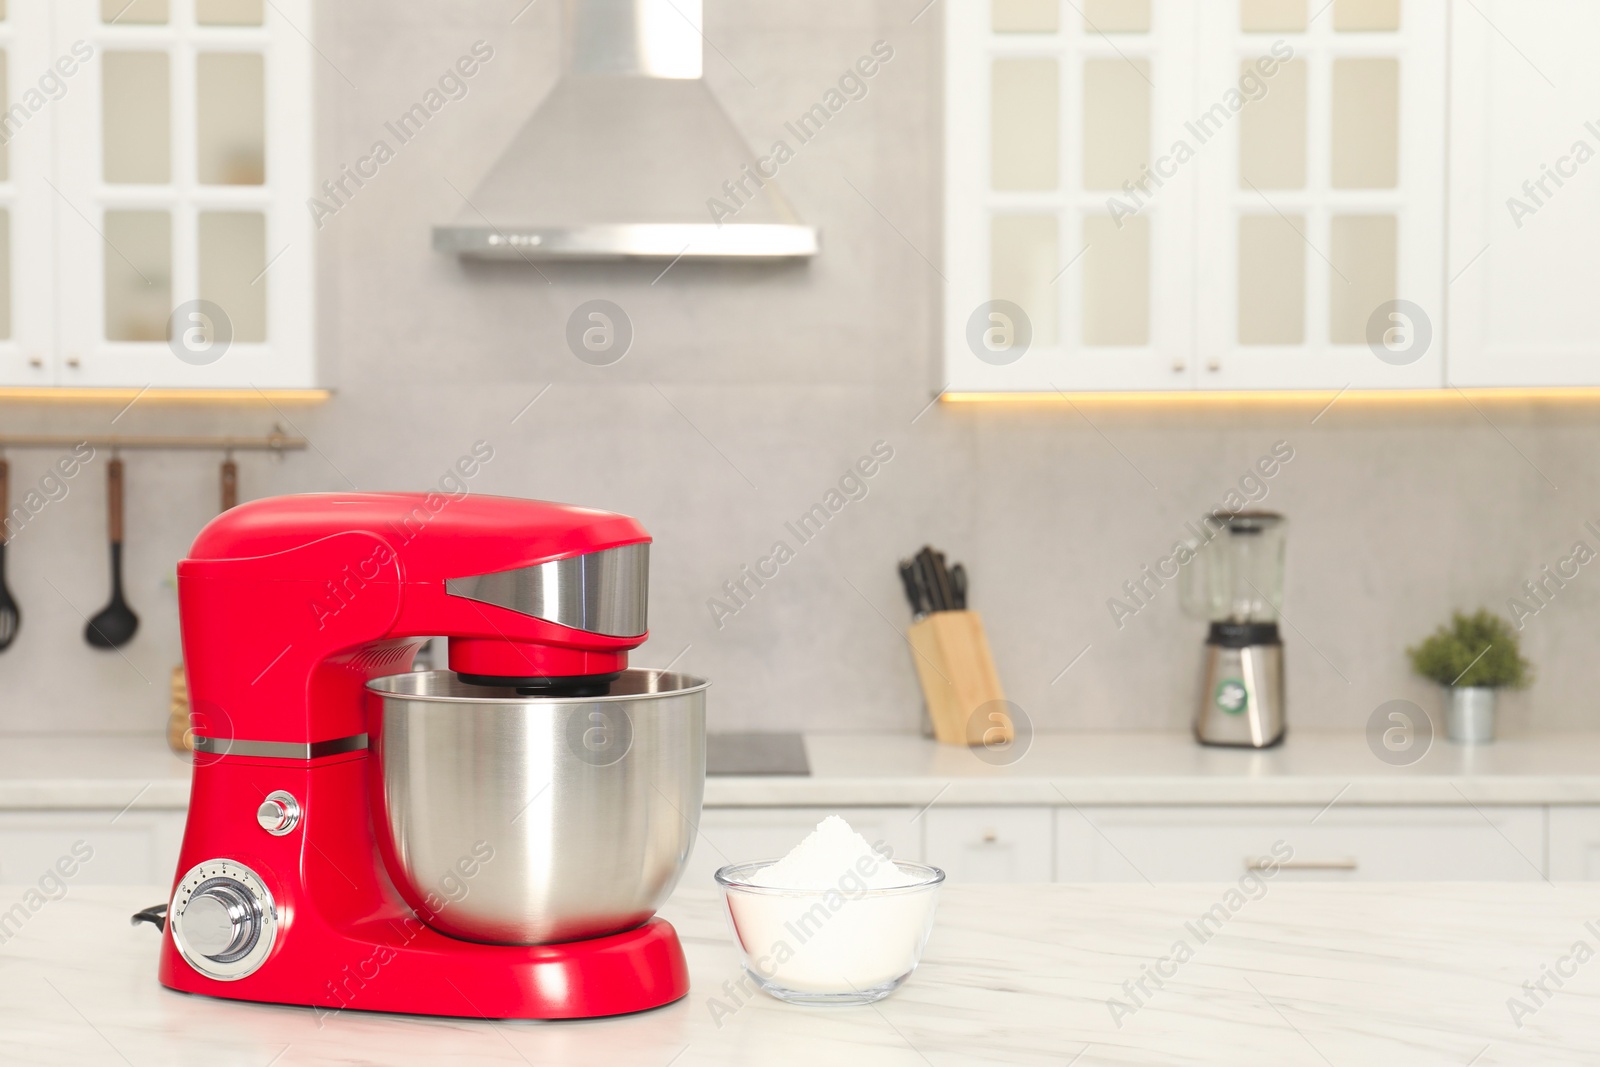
[991,844]
[994,843]
[1575,844]
[1200,843]
[98,847]
[1377,844]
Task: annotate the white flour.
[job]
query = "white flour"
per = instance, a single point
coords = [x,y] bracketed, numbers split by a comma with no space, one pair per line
[830,853]
[818,927]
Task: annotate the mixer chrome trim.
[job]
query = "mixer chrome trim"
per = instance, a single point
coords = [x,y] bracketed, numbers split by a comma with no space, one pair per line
[446,687]
[229,746]
[601,592]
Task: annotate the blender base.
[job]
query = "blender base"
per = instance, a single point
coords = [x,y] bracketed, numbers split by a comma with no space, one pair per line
[1242,698]
[1274,743]
[632,971]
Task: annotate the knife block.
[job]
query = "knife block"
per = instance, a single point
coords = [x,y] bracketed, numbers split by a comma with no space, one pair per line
[951,652]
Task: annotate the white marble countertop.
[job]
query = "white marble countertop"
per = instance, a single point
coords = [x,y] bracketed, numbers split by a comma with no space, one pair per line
[1306,974]
[883,769]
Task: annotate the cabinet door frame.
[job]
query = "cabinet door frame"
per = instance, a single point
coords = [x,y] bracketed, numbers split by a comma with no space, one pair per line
[1318,363]
[1068,365]
[1382,843]
[83,356]
[1574,841]
[1193,283]
[1029,831]
[1488,76]
[27,356]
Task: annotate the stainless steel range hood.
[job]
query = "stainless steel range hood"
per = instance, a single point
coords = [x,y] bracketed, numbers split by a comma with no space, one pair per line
[626,156]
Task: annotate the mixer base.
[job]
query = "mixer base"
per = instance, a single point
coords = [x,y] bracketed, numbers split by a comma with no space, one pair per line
[621,973]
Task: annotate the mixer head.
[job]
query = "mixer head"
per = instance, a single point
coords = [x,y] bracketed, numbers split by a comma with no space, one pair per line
[530,594]
[602,592]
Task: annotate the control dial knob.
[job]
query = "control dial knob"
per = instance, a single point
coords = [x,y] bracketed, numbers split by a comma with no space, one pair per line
[223,919]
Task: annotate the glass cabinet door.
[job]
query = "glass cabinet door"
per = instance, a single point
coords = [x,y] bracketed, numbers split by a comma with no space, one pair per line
[1324,237]
[1170,194]
[1072,222]
[184,183]
[29,89]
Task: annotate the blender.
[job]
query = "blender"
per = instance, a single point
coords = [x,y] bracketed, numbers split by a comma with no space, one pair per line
[1236,582]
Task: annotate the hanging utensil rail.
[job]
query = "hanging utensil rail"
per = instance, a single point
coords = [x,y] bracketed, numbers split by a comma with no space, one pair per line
[273,442]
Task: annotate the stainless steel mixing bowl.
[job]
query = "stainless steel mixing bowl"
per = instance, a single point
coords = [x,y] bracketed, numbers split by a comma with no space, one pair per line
[526,820]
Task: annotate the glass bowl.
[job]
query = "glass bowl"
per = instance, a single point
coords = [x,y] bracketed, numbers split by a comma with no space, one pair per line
[843,945]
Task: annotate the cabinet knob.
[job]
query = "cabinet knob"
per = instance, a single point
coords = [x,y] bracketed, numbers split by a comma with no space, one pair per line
[1179,366]
[74,362]
[35,361]
[1214,366]
[990,836]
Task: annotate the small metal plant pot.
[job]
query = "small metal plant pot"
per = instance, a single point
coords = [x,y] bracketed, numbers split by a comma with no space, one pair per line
[1469,715]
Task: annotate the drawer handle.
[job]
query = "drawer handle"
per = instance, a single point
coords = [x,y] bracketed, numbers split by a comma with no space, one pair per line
[1263,863]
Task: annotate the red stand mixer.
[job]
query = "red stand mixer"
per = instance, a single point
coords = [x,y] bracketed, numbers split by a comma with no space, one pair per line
[488,841]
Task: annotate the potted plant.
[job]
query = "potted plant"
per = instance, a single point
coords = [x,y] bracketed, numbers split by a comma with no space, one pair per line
[1473,657]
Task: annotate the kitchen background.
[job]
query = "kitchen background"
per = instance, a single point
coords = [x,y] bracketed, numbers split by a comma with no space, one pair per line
[749,391]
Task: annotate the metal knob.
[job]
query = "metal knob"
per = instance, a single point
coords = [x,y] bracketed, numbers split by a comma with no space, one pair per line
[220,921]
[990,836]
[1214,366]
[223,919]
[1179,366]
[279,813]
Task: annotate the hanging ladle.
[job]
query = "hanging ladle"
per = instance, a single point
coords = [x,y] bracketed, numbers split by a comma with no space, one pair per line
[116,623]
[10,614]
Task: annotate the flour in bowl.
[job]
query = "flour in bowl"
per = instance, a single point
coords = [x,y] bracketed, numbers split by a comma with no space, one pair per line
[830,853]
[834,921]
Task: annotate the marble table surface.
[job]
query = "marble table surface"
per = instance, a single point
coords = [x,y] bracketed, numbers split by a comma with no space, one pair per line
[904,769]
[1297,973]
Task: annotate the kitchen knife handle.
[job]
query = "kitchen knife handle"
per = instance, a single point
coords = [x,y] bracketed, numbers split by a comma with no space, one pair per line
[908,578]
[114,500]
[947,596]
[958,585]
[924,590]
[930,579]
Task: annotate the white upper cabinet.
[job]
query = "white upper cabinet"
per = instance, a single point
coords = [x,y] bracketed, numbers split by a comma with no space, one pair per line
[27,234]
[156,227]
[1271,194]
[1525,193]
[1053,110]
[1321,207]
